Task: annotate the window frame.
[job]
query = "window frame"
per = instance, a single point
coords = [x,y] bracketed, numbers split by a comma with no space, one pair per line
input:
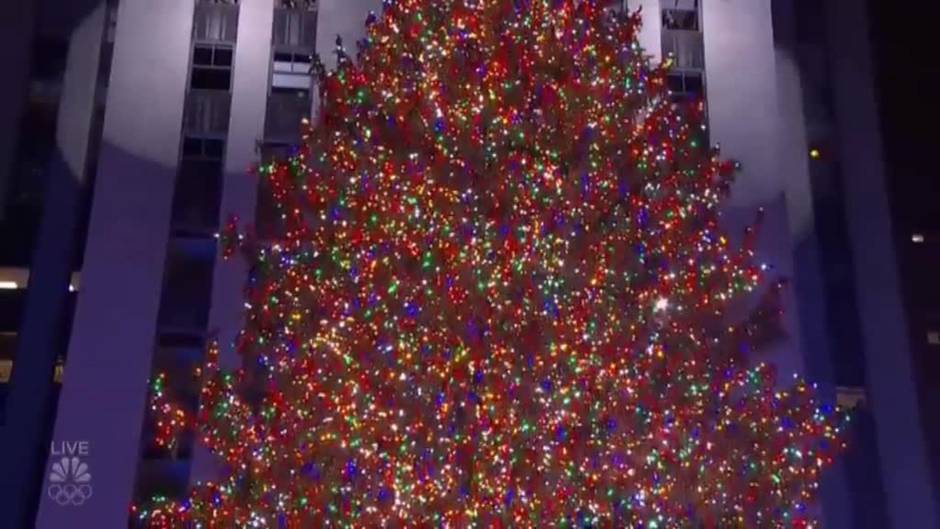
[212,66]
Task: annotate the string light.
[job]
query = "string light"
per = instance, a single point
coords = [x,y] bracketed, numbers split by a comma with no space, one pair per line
[499,298]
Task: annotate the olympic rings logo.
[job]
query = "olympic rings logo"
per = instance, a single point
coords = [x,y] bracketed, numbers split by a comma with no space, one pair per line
[70,482]
[70,494]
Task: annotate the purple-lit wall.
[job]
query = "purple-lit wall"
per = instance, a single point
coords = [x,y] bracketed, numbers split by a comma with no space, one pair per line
[110,351]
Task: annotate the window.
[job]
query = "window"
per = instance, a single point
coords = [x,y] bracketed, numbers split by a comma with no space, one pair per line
[215,21]
[187,287]
[286,109]
[165,476]
[58,371]
[933,338]
[49,57]
[291,72]
[681,19]
[198,192]
[309,5]
[687,49]
[211,79]
[295,27]
[849,398]
[273,151]
[170,340]
[7,351]
[212,68]
[686,85]
[6,370]
[207,113]
[203,148]
[197,197]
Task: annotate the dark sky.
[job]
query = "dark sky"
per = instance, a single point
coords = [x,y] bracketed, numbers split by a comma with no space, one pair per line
[907,43]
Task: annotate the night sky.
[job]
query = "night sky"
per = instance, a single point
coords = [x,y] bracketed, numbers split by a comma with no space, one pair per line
[905,40]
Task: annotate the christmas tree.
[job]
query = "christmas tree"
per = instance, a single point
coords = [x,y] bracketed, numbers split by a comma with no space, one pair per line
[499,296]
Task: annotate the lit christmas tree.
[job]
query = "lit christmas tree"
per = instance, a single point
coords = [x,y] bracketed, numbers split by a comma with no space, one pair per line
[499,297]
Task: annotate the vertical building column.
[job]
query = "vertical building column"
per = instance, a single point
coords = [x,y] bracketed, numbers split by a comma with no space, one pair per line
[743,111]
[742,93]
[251,71]
[30,403]
[906,474]
[103,396]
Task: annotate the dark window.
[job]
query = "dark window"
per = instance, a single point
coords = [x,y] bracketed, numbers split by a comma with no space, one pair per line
[203,148]
[192,146]
[168,477]
[675,82]
[202,56]
[7,344]
[7,352]
[209,55]
[222,57]
[309,5]
[187,288]
[211,79]
[198,192]
[49,58]
[686,85]
[294,93]
[212,67]
[197,196]
[287,107]
[694,85]
[171,340]
[273,151]
[213,148]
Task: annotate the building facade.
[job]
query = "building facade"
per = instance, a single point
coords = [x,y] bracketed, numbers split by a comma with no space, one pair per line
[162,107]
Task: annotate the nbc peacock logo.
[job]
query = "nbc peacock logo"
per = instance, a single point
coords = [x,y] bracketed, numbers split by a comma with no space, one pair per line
[70,482]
